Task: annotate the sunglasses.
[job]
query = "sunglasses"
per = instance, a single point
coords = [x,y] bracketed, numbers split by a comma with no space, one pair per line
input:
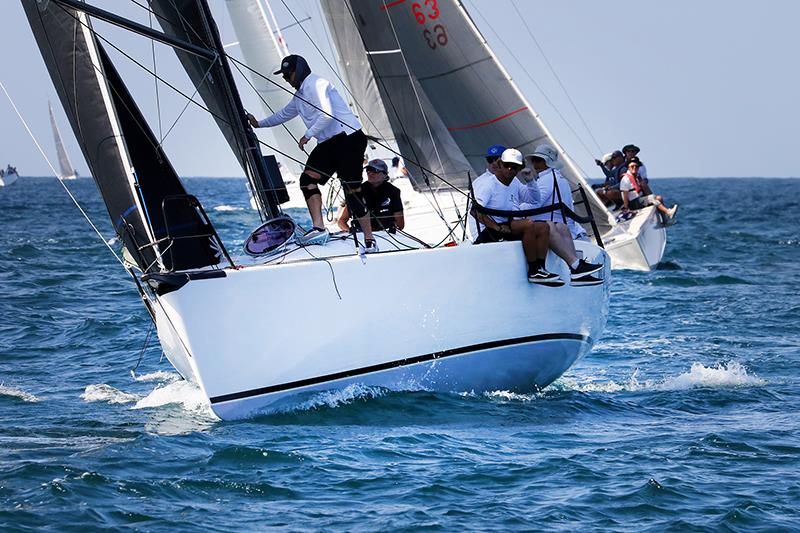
[512,166]
[373,169]
[492,158]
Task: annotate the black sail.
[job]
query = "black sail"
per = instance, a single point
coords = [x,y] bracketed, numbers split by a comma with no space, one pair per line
[191,21]
[373,63]
[131,172]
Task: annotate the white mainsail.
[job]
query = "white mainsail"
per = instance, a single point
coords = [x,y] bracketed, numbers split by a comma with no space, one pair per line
[66,170]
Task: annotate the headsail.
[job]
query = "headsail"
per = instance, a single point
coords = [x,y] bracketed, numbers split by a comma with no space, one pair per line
[472,93]
[191,21]
[375,67]
[263,48]
[64,165]
[129,167]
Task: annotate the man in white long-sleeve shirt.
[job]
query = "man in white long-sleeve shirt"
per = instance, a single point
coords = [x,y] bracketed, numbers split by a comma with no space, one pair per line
[340,145]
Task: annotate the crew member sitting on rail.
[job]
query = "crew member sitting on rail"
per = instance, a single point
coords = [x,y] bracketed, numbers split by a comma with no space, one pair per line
[501,191]
[635,194]
[548,189]
[383,201]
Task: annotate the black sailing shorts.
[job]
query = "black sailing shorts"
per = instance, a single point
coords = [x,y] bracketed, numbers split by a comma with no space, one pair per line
[342,154]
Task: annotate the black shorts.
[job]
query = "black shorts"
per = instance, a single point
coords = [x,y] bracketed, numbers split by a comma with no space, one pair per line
[341,154]
[490,235]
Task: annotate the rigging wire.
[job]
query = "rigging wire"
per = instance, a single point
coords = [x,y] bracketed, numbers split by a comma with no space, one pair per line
[49,164]
[155,82]
[535,83]
[334,70]
[190,99]
[558,79]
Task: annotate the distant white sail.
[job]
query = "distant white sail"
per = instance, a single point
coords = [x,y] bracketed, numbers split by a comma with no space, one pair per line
[66,170]
[263,47]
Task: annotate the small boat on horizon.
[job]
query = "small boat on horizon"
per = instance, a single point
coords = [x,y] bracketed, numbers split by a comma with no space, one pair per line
[8,176]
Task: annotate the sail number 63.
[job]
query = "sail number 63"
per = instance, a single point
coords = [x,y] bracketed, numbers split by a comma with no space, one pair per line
[433,11]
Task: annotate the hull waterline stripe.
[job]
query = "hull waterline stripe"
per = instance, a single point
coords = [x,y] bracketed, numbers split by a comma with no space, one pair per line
[396,364]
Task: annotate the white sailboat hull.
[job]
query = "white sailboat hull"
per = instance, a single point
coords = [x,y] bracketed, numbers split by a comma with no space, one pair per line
[8,179]
[639,243]
[449,319]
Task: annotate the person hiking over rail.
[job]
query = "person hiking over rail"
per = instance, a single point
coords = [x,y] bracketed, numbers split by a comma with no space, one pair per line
[501,192]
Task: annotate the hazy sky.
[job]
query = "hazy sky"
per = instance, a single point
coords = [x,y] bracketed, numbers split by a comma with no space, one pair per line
[705,88]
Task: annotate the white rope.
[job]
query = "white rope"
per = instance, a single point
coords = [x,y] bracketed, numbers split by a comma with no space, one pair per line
[47,160]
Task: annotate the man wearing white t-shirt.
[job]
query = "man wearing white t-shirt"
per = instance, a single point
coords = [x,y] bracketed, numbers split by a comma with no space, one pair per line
[551,188]
[500,192]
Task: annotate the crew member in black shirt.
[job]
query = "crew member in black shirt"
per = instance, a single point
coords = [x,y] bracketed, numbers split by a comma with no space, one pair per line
[383,200]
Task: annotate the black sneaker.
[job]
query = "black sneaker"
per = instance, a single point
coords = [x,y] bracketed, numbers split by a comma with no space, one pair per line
[585,281]
[584,268]
[543,277]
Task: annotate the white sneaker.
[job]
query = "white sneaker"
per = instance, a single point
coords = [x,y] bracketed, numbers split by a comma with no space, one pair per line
[671,211]
[314,236]
[370,247]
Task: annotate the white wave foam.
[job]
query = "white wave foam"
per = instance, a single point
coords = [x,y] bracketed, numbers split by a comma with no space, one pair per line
[107,393]
[228,208]
[730,374]
[181,392]
[17,393]
[508,396]
[160,375]
[338,397]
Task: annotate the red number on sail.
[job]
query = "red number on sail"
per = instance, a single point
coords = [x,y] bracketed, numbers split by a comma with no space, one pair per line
[434,6]
[416,8]
[431,43]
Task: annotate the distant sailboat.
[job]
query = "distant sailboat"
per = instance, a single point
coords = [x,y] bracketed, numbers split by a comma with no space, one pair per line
[66,170]
[8,176]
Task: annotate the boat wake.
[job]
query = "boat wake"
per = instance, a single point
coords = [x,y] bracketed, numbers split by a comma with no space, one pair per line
[182,393]
[106,393]
[336,398]
[723,375]
[224,208]
[17,393]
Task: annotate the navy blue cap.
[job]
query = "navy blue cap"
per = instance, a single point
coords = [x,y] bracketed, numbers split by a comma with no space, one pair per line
[495,151]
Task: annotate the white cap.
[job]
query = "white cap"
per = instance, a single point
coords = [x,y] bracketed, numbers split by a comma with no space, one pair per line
[549,154]
[606,157]
[512,155]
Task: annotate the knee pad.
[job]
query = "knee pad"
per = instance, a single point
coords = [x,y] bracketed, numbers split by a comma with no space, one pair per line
[305,182]
[355,203]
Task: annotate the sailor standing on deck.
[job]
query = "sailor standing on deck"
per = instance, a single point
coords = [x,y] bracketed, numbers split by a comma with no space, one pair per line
[340,145]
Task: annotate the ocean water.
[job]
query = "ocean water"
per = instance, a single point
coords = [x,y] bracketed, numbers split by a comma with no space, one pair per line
[686,416]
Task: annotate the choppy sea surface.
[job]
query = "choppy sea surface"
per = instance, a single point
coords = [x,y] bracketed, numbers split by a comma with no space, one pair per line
[686,416]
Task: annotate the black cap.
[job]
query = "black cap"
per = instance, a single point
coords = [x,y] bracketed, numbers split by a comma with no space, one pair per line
[631,147]
[289,64]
